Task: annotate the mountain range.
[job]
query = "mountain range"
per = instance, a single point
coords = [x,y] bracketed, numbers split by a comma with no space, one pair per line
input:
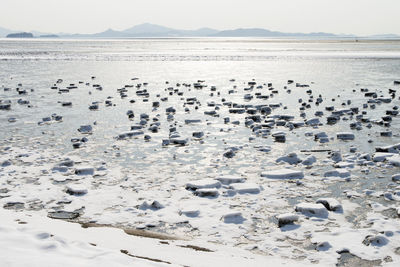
[147,30]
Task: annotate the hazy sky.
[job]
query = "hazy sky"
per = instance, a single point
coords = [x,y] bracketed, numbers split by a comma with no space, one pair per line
[88,16]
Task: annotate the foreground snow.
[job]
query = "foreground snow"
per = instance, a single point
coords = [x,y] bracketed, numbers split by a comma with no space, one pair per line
[29,239]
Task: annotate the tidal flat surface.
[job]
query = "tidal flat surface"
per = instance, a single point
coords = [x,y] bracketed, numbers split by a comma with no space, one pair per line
[280,147]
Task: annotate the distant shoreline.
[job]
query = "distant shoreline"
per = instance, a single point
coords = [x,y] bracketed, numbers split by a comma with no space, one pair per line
[218,39]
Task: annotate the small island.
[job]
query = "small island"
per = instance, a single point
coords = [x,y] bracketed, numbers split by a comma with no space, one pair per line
[20,35]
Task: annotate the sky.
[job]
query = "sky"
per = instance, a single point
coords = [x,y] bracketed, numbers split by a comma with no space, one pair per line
[361,17]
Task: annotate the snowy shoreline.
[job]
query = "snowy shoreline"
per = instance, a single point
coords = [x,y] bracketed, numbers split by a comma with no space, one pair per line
[247,172]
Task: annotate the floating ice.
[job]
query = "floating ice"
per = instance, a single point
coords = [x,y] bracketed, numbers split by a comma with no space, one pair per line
[330,204]
[76,189]
[233,217]
[337,173]
[345,136]
[310,209]
[243,188]
[291,158]
[84,170]
[287,218]
[204,183]
[283,174]
[206,192]
[230,179]
[85,129]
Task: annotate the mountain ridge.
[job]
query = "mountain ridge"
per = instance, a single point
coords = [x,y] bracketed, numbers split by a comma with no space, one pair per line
[148,30]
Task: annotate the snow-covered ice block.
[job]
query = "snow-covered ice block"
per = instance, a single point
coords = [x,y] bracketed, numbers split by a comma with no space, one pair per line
[84,170]
[330,204]
[337,173]
[192,121]
[179,141]
[190,212]
[313,121]
[85,129]
[375,240]
[243,188]
[63,215]
[310,160]
[287,218]
[5,163]
[155,205]
[345,136]
[396,177]
[206,192]
[390,149]
[230,179]
[394,160]
[381,156]
[344,165]
[323,246]
[283,174]
[76,189]
[291,158]
[311,209]
[203,183]
[233,217]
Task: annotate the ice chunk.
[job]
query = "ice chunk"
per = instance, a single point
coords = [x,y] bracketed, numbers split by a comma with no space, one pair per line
[206,192]
[394,160]
[310,160]
[323,246]
[345,136]
[396,177]
[310,209]
[287,218]
[233,217]
[230,179]
[179,141]
[313,121]
[375,240]
[63,215]
[389,149]
[337,173]
[330,204]
[203,183]
[85,129]
[129,134]
[76,189]
[381,156]
[192,121]
[283,174]
[84,170]
[243,188]
[189,212]
[291,158]
[155,205]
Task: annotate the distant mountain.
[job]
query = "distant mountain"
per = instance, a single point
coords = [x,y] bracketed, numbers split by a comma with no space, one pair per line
[152,30]
[20,35]
[257,32]
[148,30]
